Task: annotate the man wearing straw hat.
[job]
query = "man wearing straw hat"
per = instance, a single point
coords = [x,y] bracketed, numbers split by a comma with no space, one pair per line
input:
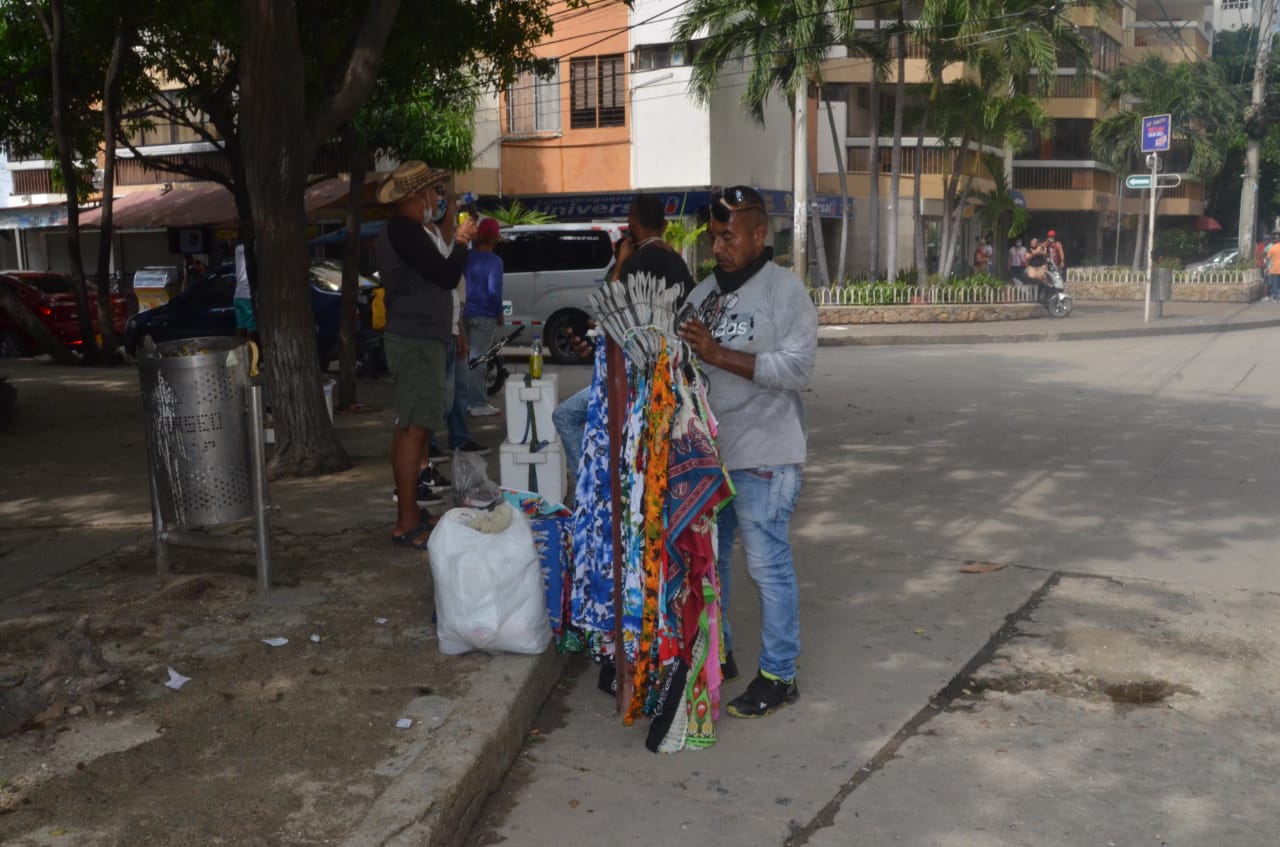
[419,281]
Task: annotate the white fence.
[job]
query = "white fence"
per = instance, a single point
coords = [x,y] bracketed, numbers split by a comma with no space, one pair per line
[1121,275]
[894,295]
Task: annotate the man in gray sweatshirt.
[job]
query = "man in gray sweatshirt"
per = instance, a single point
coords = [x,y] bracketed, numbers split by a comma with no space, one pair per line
[756,331]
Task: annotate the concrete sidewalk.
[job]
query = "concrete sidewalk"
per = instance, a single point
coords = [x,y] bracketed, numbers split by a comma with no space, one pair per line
[83,496]
[1091,319]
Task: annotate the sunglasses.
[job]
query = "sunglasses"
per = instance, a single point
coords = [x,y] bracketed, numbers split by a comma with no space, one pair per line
[736,199]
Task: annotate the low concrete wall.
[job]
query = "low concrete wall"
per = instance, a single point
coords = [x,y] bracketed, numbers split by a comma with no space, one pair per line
[1209,287]
[1187,292]
[929,313]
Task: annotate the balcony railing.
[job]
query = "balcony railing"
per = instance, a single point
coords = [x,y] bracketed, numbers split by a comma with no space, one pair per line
[1068,88]
[1063,179]
[934,159]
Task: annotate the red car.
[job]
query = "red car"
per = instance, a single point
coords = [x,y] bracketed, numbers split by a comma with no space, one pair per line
[51,298]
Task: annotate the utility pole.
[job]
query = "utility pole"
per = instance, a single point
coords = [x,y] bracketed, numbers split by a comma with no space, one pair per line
[1253,119]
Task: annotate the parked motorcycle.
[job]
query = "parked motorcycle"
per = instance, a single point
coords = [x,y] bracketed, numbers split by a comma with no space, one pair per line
[495,375]
[1051,290]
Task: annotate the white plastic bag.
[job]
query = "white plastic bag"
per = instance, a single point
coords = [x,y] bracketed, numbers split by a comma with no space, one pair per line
[488,584]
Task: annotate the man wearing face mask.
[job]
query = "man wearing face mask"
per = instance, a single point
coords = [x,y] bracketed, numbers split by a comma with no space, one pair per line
[756,331]
[419,280]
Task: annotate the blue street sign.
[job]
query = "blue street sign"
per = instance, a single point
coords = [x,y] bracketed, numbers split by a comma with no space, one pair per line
[1156,132]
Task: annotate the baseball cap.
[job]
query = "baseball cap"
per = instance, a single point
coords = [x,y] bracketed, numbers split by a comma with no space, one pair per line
[1053,234]
[488,229]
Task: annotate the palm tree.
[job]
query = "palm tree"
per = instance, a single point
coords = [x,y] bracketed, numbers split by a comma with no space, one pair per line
[1000,205]
[782,45]
[895,154]
[967,117]
[1204,111]
[1029,36]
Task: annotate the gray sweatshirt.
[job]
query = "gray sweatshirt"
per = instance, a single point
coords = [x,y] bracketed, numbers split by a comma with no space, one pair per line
[762,421]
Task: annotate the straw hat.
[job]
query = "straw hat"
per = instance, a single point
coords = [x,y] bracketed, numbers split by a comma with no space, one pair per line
[408,179]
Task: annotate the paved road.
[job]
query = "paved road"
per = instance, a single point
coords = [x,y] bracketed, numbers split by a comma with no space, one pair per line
[941,708]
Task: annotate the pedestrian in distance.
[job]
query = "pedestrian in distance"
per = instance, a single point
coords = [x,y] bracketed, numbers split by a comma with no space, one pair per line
[1271,260]
[642,250]
[1018,261]
[981,258]
[1054,250]
[419,282]
[242,299]
[756,334]
[483,313]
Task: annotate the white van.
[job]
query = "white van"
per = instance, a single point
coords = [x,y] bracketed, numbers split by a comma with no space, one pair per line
[549,271]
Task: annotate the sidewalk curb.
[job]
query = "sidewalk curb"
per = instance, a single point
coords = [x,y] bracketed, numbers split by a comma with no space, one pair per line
[1011,338]
[437,794]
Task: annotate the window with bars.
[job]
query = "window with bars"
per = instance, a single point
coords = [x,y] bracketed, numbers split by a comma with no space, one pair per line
[1236,4]
[533,102]
[597,92]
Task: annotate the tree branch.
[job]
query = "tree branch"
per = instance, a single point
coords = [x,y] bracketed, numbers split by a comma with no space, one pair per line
[358,76]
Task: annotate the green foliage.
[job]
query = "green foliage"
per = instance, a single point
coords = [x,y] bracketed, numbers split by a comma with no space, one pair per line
[1178,245]
[516,213]
[682,237]
[705,268]
[1169,262]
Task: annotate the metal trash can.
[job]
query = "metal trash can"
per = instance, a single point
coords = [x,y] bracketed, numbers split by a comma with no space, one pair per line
[1162,284]
[193,392]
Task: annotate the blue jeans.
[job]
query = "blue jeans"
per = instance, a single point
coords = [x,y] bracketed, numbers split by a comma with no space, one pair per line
[480,331]
[1273,286]
[455,413]
[761,512]
[570,419]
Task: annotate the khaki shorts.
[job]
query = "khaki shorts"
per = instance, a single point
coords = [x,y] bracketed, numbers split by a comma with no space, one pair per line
[417,367]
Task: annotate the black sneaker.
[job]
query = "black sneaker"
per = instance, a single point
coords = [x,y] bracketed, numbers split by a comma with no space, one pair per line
[425,496]
[763,697]
[438,456]
[470,446]
[729,668]
[433,479]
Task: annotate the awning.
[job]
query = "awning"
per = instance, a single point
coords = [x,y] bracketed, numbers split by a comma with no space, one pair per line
[201,204]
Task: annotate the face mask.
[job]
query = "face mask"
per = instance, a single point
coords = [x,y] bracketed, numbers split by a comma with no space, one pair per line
[437,214]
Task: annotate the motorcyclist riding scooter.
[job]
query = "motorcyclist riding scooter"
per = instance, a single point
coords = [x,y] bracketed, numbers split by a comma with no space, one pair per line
[1051,288]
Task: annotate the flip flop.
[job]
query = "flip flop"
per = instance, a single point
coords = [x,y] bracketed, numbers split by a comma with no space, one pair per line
[417,537]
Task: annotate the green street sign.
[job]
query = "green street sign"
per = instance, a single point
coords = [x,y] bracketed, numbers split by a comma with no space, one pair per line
[1143,181]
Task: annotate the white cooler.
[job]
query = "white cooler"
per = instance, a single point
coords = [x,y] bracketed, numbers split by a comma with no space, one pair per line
[543,396]
[515,460]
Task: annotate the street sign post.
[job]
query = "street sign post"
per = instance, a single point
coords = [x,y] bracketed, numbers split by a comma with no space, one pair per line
[1157,130]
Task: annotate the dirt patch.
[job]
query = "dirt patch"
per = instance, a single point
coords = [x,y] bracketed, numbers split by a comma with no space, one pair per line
[251,749]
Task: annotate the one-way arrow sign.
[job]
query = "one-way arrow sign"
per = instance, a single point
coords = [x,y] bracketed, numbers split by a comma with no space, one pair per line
[1143,181]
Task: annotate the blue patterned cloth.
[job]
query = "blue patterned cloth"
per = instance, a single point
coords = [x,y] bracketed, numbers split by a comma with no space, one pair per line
[591,595]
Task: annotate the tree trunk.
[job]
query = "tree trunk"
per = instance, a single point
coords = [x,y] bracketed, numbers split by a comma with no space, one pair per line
[348,327]
[842,273]
[895,155]
[279,139]
[800,187]
[52,24]
[952,211]
[873,162]
[819,240]
[110,123]
[274,140]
